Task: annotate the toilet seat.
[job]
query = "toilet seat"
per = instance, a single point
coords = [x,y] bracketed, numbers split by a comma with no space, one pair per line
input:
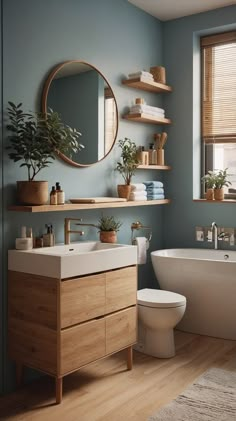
[158,298]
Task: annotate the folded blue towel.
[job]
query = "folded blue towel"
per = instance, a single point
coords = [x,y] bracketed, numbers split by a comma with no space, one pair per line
[155,196]
[155,190]
[153,183]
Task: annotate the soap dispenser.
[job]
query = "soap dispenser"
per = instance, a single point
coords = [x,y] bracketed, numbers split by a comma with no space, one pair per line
[49,237]
[60,194]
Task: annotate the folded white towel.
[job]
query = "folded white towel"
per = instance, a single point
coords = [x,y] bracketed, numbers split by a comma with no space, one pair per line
[138,195]
[138,198]
[145,108]
[138,187]
[141,73]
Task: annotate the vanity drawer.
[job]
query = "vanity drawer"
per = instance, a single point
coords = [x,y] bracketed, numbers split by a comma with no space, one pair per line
[82,299]
[121,329]
[82,344]
[121,288]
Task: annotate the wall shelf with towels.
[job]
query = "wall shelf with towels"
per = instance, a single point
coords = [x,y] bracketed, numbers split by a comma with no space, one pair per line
[73,207]
[146,118]
[146,85]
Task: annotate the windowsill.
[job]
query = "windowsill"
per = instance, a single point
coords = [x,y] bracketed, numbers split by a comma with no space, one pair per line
[215,201]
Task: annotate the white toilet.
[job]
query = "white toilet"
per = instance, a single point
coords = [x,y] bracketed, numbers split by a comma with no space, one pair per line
[158,313]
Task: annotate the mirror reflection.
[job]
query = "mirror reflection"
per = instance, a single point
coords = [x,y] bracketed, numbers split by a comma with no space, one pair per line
[84,99]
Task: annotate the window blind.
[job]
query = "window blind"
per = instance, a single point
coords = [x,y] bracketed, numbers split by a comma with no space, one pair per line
[218,83]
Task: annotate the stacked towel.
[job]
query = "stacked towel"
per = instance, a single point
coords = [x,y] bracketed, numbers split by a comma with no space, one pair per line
[138,192]
[155,190]
[147,109]
[136,196]
[138,187]
[142,73]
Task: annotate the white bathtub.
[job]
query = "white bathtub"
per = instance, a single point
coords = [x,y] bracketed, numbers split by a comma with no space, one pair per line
[207,278]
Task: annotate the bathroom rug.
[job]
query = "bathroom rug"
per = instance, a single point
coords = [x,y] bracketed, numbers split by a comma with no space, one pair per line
[212,397]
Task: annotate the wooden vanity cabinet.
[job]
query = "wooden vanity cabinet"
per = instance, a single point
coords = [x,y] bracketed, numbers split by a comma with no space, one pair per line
[58,326]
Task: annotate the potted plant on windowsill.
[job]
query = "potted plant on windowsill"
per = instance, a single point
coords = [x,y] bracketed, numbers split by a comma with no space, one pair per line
[221,181]
[35,138]
[209,181]
[108,228]
[127,165]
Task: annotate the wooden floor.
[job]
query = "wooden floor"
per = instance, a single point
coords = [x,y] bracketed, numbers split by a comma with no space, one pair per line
[106,391]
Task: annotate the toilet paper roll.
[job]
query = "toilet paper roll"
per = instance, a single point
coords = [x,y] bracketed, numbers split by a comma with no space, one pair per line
[142,249]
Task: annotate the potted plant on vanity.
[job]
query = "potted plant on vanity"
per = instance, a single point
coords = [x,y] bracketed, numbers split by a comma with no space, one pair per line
[35,139]
[127,165]
[108,228]
[215,182]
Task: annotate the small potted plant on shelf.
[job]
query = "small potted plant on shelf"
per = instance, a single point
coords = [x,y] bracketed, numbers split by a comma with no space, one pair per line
[221,181]
[127,166]
[108,228]
[209,181]
[35,138]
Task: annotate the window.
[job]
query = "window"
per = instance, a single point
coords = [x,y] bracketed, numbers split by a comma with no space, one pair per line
[218,103]
[110,119]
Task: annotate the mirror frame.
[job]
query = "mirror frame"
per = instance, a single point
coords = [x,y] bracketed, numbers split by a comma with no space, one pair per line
[46,87]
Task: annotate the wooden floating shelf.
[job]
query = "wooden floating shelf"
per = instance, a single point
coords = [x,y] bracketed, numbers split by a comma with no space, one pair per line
[146,85]
[153,167]
[146,118]
[73,207]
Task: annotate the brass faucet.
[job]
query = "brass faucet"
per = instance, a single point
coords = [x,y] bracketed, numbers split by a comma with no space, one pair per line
[68,231]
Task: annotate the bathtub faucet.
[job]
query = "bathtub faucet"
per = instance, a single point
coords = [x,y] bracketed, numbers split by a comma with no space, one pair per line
[214,230]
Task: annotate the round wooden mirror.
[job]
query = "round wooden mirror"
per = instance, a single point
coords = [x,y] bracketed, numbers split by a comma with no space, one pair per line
[85,101]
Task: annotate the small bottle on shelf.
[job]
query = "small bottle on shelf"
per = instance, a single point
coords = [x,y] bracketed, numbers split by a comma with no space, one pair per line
[152,155]
[53,196]
[60,194]
[143,156]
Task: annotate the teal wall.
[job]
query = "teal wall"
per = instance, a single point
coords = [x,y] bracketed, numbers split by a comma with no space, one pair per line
[181,58]
[115,37]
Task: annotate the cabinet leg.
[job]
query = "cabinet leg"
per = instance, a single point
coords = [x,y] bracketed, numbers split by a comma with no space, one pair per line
[58,389]
[19,374]
[129,358]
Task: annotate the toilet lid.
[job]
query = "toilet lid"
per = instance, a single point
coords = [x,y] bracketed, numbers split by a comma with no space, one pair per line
[159,298]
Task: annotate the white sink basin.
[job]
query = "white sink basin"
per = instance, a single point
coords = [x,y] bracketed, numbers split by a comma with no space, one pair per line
[65,261]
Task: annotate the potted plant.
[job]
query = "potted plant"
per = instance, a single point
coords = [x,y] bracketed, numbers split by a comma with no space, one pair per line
[221,180]
[127,165]
[209,181]
[35,138]
[108,228]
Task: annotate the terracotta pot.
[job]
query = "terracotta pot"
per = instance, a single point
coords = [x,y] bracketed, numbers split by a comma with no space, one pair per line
[219,194]
[32,192]
[210,194]
[124,191]
[108,236]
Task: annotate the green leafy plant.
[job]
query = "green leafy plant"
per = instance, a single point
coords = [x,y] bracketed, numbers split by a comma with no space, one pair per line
[221,179]
[209,180]
[129,160]
[108,223]
[216,179]
[35,138]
